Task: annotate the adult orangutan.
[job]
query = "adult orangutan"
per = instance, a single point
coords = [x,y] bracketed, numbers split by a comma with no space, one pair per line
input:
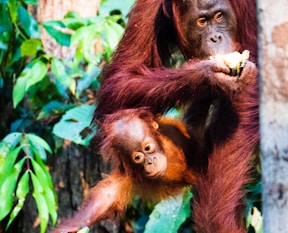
[221,110]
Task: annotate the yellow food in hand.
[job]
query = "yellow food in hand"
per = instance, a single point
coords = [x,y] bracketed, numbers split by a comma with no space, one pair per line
[234,60]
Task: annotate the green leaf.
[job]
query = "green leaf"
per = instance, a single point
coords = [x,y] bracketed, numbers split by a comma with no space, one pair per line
[53,108]
[4,150]
[19,88]
[28,23]
[48,190]
[74,23]
[30,47]
[169,214]
[65,80]
[85,38]
[42,207]
[12,138]
[42,165]
[88,78]
[32,74]
[108,5]
[255,219]
[38,72]
[60,37]
[36,140]
[73,122]
[13,4]
[41,175]
[59,71]
[7,188]
[21,192]
[87,34]
[51,201]
[113,32]
[5,22]
[73,15]
[8,164]
[32,2]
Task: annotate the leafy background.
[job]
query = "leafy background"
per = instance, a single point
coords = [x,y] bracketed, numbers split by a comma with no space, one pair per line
[46,101]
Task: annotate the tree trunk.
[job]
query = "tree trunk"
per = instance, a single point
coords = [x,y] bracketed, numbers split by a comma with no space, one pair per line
[273,59]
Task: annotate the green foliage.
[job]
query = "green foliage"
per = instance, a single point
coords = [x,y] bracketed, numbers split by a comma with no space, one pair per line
[169,214]
[22,160]
[78,120]
[254,217]
[42,88]
[33,73]
[123,7]
[255,220]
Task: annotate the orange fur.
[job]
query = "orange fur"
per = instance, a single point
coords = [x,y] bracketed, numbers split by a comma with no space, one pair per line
[122,132]
[220,190]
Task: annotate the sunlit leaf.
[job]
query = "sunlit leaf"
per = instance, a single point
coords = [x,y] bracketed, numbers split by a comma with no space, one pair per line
[19,88]
[7,189]
[85,37]
[113,33]
[169,214]
[39,146]
[255,219]
[74,23]
[21,192]
[72,15]
[76,119]
[48,192]
[6,195]
[41,203]
[53,108]
[30,47]
[44,168]
[59,71]
[87,34]
[123,6]
[33,2]
[28,23]
[8,163]
[12,138]
[53,28]
[13,5]
[87,80]
[4,150]
[39,141]
[61,76]
[38,72]
[31,75]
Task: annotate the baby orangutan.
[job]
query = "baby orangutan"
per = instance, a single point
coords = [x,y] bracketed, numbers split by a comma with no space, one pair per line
[149,157]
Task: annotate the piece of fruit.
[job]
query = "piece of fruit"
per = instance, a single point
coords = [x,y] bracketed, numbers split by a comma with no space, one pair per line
[236,61]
